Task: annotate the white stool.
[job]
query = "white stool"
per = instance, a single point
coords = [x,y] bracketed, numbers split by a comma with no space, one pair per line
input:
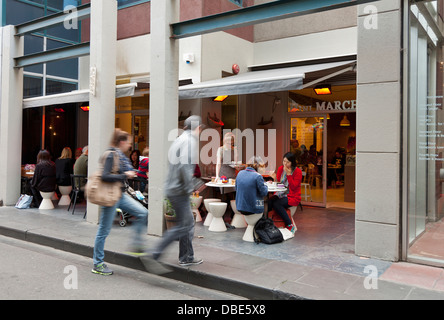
[292,212]
[251,221]
[197,201]
[46,202]
[238,219]
[209,217]
[306,195]
[218,211]
[65,199]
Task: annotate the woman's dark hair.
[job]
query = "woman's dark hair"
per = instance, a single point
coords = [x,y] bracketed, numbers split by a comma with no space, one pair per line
[292,158]
[43,157]
[135,164]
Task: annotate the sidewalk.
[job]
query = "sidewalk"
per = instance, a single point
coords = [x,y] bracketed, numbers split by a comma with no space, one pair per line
[318,263]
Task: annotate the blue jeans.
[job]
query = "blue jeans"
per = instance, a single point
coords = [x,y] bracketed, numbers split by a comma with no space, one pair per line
[183,231]
[134,208]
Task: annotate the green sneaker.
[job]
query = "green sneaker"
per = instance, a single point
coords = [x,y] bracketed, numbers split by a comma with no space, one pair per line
[102,269]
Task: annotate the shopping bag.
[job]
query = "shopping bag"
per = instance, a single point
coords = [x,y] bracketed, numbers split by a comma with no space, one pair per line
[24,202]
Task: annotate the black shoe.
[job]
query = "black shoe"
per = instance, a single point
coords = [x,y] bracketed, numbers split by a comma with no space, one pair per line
[190,263]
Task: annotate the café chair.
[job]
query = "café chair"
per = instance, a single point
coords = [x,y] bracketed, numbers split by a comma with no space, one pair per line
[77,183]
[218,210]
[251,220]
[238,218]
[209,217]
[197,201]
[46,203]
[64,199]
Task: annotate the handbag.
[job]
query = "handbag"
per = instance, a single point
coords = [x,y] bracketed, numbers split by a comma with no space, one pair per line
[100,192]
[24,202]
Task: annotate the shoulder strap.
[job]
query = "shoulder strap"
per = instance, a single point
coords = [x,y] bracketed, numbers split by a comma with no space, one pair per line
[115,162]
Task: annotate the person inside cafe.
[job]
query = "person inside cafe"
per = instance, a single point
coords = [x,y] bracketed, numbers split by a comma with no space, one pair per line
[81,168]
[44,178]
[291,177]
[226,154]
[64,167]
[143,171]
[336,167]
[250,189]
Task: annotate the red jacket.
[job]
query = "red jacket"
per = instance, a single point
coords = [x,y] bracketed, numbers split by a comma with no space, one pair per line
[294,185]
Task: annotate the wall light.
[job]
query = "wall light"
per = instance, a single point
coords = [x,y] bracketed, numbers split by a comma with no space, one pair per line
[322,89]
[84,108]
[220,98]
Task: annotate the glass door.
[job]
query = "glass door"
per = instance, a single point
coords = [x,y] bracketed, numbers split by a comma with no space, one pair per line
[308,142]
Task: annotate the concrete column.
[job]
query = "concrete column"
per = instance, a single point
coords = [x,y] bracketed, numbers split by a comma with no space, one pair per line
[102,97]
[164,105]
[11,114]
[378,196]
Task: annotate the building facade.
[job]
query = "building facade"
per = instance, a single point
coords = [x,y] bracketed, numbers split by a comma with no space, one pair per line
[382,60]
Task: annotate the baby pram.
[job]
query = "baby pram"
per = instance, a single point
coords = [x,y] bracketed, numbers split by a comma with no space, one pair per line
[136,195]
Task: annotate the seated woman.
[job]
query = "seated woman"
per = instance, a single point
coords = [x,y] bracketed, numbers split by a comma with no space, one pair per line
[64,168]
[291,177]
[143,170]
[250,190]
[44,178]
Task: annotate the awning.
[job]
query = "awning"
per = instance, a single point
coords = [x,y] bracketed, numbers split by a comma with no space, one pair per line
[77,96]
[282,79]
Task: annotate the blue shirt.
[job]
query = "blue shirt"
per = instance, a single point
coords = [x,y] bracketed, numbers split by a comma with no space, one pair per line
[250,191]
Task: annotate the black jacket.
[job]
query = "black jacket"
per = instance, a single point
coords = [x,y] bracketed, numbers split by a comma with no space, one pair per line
[44,178]
[64,169]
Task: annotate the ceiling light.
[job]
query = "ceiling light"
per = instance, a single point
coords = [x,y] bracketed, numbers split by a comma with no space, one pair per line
[345,122]
[220,98]
[322,89]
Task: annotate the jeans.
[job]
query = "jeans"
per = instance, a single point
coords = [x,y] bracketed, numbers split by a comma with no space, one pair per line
[280,205]
[183,231]
[134,208]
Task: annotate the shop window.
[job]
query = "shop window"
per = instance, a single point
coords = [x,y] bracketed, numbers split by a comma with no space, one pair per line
[425,197]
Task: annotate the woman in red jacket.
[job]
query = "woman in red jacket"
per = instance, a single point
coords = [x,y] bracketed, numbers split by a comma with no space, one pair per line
[291,177]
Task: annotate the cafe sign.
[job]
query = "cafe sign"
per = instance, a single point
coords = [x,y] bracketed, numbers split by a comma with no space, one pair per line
[324,106]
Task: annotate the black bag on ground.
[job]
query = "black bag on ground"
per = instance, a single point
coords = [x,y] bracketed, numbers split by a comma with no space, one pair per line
[267,232]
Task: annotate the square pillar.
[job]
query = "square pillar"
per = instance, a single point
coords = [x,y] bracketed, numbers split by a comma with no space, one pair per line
[102,98]
[11,115]
[164,103]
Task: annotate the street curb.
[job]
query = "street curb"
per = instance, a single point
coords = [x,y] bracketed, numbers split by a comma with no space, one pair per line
[187,275]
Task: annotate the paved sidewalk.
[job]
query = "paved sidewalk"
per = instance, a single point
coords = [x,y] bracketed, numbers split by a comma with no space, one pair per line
[318,263]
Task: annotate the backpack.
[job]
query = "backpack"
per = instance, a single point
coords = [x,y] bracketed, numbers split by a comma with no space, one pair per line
[267,232]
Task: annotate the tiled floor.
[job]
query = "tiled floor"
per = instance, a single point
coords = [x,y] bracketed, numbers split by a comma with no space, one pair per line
[325,238]
[430,244]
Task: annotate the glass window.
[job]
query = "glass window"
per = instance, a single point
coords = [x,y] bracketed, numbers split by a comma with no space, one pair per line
[127,3]
[55,86]
[32,86]
[19,12]
[238,2]
[425,136]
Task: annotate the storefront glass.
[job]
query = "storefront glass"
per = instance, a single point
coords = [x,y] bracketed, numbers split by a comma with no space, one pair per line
[425,199]
[322,134]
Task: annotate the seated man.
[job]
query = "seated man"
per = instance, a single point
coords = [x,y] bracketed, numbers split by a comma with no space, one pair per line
[250,190]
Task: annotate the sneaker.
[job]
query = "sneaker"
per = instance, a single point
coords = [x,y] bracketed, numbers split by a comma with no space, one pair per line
[153,266]
[102,269]
[190,263]
[291,228]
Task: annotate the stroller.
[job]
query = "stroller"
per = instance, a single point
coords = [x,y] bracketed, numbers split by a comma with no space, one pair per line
[136,195]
